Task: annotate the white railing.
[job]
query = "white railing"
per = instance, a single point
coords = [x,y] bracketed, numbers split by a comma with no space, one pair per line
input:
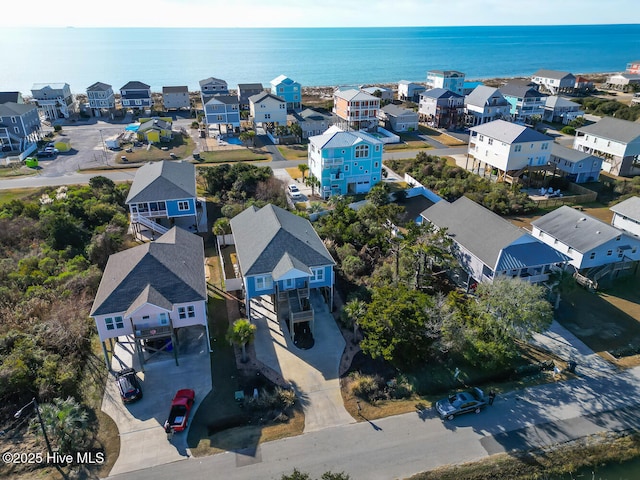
[156,227]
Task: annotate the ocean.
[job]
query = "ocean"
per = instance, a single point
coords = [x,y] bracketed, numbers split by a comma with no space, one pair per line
[312,56]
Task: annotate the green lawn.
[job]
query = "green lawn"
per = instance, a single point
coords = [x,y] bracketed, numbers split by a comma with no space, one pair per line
[16,194]
[236,155]
[180,146]
[293,152]
[407,145]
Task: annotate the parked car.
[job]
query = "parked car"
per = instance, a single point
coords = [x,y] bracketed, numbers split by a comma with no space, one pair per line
[129,386]
[45,154]
[294,191]
[51,149]
[180,409]
[461,402]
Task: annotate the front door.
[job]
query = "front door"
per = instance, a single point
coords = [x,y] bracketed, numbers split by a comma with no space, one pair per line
[289,283]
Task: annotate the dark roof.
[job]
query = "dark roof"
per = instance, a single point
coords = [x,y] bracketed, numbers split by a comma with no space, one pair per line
[477,229]
[520,89]
[613,129]
[250,86]
[163,180]
[272,238]
[6,97]
[212,80]
[440,93]
[510,133]
[165,272]
[527,255]
[226,99]
[630,208]
[135,85]
[177,89]
[259,97]
[571,155]
[98,87]
[576,229]
[11,109]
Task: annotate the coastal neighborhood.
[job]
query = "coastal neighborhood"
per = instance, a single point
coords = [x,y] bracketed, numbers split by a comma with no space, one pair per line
[259,270]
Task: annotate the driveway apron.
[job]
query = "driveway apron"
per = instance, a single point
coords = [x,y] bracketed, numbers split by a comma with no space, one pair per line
[313,373]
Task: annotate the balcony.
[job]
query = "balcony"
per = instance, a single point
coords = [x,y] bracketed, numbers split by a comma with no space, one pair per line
[160,331]
[332,162]
[336,176]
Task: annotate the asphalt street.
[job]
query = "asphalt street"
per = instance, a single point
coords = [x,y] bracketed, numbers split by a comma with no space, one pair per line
[400,446]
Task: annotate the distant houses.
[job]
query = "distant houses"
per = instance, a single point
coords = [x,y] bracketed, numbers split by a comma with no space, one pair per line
[136,95]
[526,101]
[410,91]
[574,165]
[441,108]
[176,98]
[246,90]
[626,216]
[554,81]
[447,79]
[313,122]
[101,98]
[212,86]
[290,90]
[561,110]
[20,128]
[485,104]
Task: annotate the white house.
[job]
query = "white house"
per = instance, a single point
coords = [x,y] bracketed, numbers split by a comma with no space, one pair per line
[598,251]
[410,91]
[266,108]
[626,216]
[485,104]
[554,81]
[489,247]
[447,79]
[385,94]
[345,163]
[398,119]
[508,147]
[150,291]
[622,81]
[54,100]
[101,97]
[576,166]
[616,141]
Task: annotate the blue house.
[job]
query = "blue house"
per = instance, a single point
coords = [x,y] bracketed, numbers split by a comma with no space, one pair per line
[163,194]
[291,91]
[280,254]
[222,112]
[346,163]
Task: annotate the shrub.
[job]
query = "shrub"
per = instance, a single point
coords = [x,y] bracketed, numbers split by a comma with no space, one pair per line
[568,130]
[57,128]
[367,387]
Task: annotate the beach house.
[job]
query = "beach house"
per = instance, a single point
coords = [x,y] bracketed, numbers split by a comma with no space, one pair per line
[574,165]
[246,90]
[526,101]
[101,98]
[284,87]
[626,216]
[345,163]
[410,91]
[489,247]
[136,95]
[313,122]
[266,109]
[212,86]
[359,109]
[561,110]
[633,67]
[20,128]
[616,141]
[485,104]
[54,100]
[176,98]
[384,94]
[441,108]
[554,81]
[447,79]
[398,119]
[222,114]
[507,150]
[622,81]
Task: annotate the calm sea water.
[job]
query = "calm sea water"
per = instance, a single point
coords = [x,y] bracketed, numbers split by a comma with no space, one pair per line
[321,56]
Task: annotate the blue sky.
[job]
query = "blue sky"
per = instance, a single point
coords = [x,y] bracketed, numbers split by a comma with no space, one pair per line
[321,13]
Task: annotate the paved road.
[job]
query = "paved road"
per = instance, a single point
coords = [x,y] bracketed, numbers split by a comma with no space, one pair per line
[403,445]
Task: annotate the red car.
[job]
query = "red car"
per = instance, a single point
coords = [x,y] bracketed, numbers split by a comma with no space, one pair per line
[180,409]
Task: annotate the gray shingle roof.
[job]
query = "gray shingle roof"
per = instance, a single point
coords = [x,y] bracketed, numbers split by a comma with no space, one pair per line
[163,181]
[477,229]
[11,109]
[630,208]
[557,101]
[176,89]
[481,95]
[271,238]
[556,74]
[250,86]
[6,97]
[155,123]
[226,99]
[212,80]
[440,93]
[353,94]
[98,87]
[259,97]
[576,229]
[396,110]
[613,129]
[519,89]
[510,133]
[135,85]
[165,272]
[569,154]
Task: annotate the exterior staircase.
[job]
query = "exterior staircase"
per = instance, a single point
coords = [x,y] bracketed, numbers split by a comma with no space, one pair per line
[150,224]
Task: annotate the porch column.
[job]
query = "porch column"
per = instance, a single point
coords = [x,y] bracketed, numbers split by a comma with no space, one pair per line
[106,355]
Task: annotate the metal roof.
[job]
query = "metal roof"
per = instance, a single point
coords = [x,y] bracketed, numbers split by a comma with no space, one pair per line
[555,74]
[167,271]
[615,129]
[571,155]
[629,208]
[334,137]
[353,94]
[481,94]
[510,133]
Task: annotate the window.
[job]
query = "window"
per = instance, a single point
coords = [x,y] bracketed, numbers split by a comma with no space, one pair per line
[264,283]
[346,168]
[113,323]
[183,206]
[182,313]
[186,312]
[282,106]
[267,116]
[375,164]
[545,146]
[191,311]
[362,151]
[318,274]
[481,138]
[609,252]
[592,256]
[14,120]
[490,141]
[518,148]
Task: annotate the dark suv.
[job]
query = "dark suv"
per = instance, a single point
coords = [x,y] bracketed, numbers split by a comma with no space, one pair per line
[128,385]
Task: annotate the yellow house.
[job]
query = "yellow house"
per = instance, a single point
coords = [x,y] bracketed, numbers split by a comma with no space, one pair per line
[155,129]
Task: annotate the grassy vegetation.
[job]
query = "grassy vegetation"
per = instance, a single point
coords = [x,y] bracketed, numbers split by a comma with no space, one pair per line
[181,146]
[293,152]
[407,145]
[9,172]
[441,137]
[235,155]
[16,194]
[549,463]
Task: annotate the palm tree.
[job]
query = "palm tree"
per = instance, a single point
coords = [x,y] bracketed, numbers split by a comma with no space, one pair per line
[312,182]
[222,227]
[241,332]
[355,310]
[247,137]
[66,422]
[303,167]
[296,130]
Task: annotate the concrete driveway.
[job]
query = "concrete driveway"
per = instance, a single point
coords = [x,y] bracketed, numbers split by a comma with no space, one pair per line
[314,372]
[143,441]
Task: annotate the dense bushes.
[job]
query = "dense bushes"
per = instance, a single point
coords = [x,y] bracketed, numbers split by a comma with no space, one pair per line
[610,108]
[51,250]
[451,182]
